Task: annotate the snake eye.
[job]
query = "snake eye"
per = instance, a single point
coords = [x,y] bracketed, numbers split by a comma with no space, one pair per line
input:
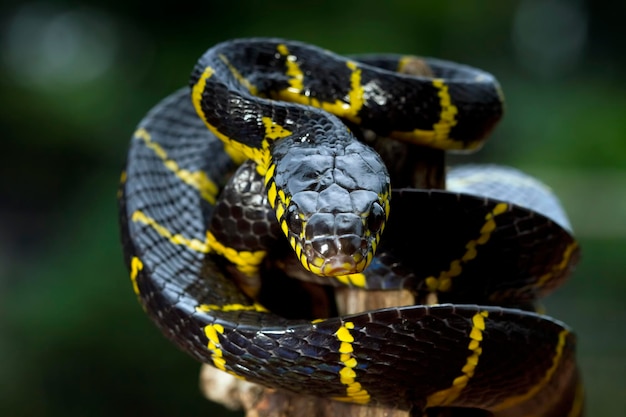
[294,222]
[376,218]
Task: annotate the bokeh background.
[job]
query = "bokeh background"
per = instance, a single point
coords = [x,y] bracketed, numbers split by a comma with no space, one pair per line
[76,77]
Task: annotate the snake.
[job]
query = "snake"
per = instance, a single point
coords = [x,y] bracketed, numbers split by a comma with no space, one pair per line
[257,171]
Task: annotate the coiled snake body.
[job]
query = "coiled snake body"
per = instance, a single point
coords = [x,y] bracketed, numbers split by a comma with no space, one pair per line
[257,153]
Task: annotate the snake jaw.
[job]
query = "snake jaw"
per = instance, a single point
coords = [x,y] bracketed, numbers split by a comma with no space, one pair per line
[339,265]
[325,249]
[333,266]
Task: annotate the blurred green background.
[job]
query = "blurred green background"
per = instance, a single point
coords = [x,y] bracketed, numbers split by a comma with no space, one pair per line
[76,77]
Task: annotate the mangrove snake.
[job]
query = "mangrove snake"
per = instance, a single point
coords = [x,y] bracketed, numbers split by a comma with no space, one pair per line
[263,150]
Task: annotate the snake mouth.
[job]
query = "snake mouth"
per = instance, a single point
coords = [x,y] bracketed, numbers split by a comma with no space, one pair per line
[335,243]
[338,256]
[336,265]
[339,265]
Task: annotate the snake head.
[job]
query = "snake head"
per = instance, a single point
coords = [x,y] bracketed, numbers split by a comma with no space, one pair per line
[332,205]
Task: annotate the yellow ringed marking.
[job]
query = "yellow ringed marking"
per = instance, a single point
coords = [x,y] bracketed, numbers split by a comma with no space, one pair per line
[196,179]
[448,395]
[543,280]
[567,255]
[296,76]
[262,156]
[196,99]
[135,266]
[280,211]
[240,78]
[236,155]
[259,155]
[245,261]
[269,175]
[206,308]
[556,359]
[212,332]
[357,280]
[297,93]
[232,147]
[439,136]
[283,197]
[272,193]
[447,116]
[311,267]
[356,93]
[444,281]
[355,393]
[176,239]
[285,230]
[273,130]
[277,198]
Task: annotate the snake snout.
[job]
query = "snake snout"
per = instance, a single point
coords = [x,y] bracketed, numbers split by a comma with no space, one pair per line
[339,265]
[335,243]
[338,255]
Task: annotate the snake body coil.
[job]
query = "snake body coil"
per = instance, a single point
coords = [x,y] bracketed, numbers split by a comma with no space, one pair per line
[257,154]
